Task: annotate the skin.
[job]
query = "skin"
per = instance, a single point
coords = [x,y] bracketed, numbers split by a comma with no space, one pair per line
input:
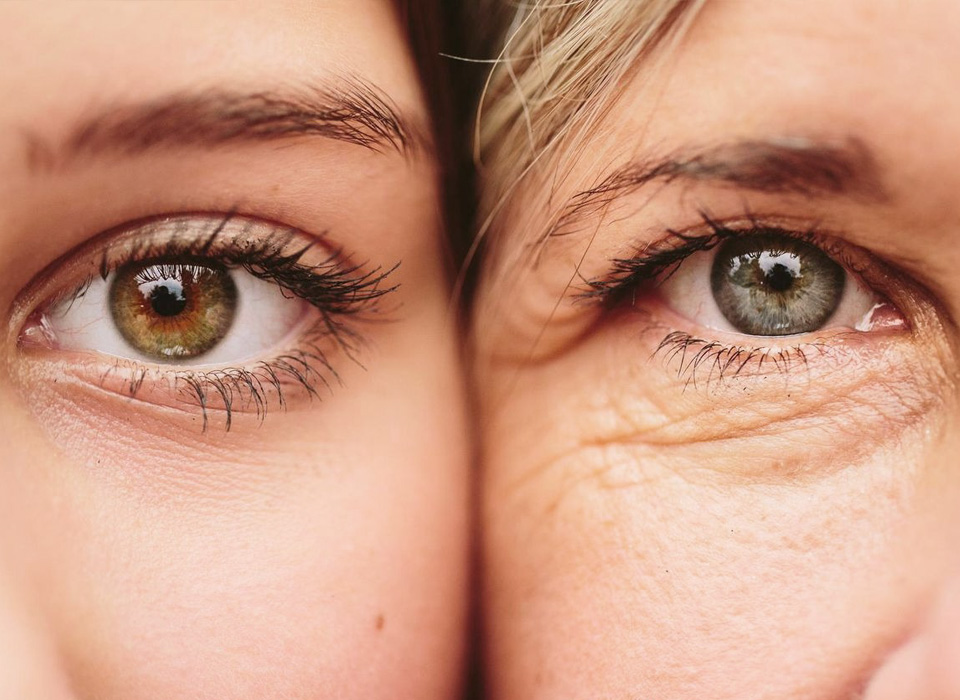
[767,534]
[320,553]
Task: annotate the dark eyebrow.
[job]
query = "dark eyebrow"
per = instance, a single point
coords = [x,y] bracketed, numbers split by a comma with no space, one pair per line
[775,166]
[350,111]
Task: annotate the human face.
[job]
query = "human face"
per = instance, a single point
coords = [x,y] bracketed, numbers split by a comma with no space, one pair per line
[715,483]
[217,483]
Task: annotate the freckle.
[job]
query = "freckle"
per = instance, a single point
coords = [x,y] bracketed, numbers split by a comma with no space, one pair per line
[381,621]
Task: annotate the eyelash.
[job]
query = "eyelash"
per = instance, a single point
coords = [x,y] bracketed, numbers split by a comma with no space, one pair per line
[629,276]
[335,288]
[722,361]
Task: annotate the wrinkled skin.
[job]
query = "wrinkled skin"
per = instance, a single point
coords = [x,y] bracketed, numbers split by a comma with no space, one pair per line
[661,528]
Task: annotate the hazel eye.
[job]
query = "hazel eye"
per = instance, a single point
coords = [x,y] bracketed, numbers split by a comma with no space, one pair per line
[771,284]
[220,312]
[173,310]
[176,310]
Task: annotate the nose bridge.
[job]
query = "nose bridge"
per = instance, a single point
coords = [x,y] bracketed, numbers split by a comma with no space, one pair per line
[927,664]
[939,636]
[942,506]
[29,667]
[938,532]
[29,663]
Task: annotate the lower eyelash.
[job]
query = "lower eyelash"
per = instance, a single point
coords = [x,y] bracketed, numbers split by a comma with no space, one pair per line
[258,389]
[696,356]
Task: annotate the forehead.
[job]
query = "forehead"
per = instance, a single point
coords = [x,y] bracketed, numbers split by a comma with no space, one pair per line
[880,71]
[751,66]
[83,54]
[877,73]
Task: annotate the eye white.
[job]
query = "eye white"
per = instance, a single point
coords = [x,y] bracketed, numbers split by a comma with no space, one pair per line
[263,319]
[688,293]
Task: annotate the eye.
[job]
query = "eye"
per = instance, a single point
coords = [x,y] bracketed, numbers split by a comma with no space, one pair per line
[223,312]
[772,284]
[176,310]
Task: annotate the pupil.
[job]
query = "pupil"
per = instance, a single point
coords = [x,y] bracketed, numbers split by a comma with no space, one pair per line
[779,278]
[165,302]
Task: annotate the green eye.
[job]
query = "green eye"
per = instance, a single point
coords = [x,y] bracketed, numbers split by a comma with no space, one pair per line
[775,285]
[173,310]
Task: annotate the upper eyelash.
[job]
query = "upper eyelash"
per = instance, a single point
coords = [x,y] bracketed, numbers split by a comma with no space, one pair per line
[335,287]
[665,256]
[330,285]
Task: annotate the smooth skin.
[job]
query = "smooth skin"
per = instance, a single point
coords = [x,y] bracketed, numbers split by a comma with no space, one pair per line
[320,553]
[773,533]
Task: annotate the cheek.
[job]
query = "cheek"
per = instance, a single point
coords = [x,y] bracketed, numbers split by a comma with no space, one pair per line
[321,551]
[281,591]
[277,597]
[643,570]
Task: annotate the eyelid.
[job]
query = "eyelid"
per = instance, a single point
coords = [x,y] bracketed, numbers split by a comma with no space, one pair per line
[688,348]
[661,257]
[230,237]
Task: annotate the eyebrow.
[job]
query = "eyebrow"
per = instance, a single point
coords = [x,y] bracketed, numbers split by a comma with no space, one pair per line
[794,166]
[350,111]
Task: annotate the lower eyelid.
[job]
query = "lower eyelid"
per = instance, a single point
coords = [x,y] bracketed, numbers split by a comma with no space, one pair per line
[844,392]
[293,375]
[670,387]
[700,358]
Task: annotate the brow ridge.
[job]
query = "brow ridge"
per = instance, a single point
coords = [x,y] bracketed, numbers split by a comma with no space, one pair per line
[350,110]
[793,166]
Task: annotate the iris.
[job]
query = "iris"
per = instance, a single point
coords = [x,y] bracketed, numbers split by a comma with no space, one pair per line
[170,309]
[775,285]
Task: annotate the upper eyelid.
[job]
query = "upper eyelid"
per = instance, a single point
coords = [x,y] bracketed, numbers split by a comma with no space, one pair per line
[95,252]
[671,249]
[860,239]
[886,279]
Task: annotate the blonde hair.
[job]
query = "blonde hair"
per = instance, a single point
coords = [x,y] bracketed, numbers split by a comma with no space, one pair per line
[559,71]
